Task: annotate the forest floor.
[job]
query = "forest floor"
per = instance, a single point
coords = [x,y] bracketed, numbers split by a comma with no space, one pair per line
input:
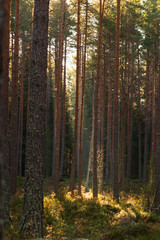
[69,217]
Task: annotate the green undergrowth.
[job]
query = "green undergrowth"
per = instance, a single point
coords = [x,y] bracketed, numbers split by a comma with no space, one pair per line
[68,217]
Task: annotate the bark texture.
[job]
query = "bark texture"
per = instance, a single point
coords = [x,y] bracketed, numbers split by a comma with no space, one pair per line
[32,216]
[2,24]
[5,119]
[115,110]
[157,160]
[59,99]
[14,105]
[146,140]
[73,169]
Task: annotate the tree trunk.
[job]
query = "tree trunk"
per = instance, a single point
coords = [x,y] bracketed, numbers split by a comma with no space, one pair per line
[90,161]
[55,107]
[2,79]
[64,112]
[82,103]
[109,129]
[157,159]
[5,118]
[73,169]
[32,215]
[14,106]
[59,99]
[139,125]
[20,124]
[146,142]
[153,133]
[96,106]
[115,110]
[30,55]
[103,93]
[128,118]
[123,128]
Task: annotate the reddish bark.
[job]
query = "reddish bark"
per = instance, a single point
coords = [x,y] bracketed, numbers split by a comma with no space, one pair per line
[82,102]
[115,109]
[73,169]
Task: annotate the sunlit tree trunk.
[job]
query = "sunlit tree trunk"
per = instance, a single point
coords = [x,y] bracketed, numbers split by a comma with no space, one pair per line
[82,102]
[32,214]
[115,110]
[64,112]
[78,71]
[102,93]
[55,106]
[14,106]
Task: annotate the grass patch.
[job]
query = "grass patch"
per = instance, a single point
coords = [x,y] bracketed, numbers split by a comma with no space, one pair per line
[70,217]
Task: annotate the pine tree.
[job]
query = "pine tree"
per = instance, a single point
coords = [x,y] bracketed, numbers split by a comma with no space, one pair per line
[5,117]
[73,169]
[14,105]
[32,216]
[2,29]
[115,110]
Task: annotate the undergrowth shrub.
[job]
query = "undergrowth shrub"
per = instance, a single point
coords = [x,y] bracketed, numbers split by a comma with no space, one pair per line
[53,217]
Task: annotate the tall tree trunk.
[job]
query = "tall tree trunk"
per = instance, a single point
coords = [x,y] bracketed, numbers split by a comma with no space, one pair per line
[55,106]
[103,92]
[153,118]
[157,159]
[73,169]
[123,127]
[131,115]
[97,95]
[20,124]
[82,102]
[109,128]
[2,35]
[32,215]
[5,117]
[153,133]
[139,124]
[30,55]
[128,117]
[115,109]
[14,106]
[90,160]
[146,140]
[59,107]
[64,112]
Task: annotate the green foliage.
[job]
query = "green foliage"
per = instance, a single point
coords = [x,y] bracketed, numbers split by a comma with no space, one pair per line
[53,217]
[68,217]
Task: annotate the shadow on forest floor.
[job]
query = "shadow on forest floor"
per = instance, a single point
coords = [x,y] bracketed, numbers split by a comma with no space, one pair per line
[68,217]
